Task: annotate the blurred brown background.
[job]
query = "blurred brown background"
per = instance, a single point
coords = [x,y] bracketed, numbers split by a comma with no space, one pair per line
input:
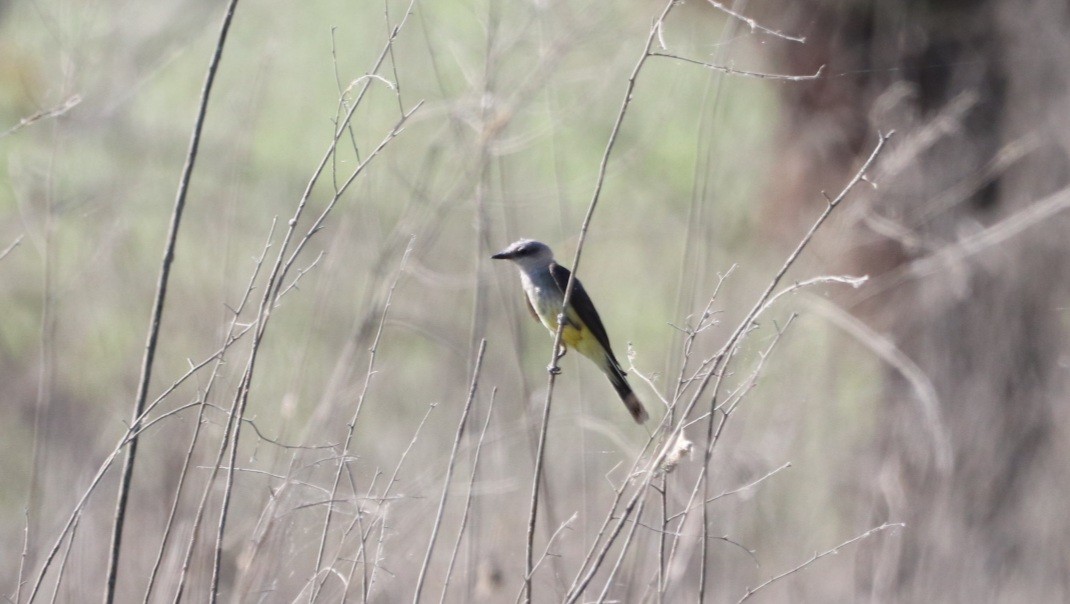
[933,395]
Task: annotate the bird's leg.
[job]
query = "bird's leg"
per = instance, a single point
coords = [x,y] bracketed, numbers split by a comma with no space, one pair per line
[561,352]
[553,368]
[562,319]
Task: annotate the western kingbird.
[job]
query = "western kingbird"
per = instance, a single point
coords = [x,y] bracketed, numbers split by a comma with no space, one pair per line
[544,282]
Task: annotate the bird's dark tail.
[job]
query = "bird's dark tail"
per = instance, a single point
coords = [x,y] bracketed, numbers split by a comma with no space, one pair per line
[620,384]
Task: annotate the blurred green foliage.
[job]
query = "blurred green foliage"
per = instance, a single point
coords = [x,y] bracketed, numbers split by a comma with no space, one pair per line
[519,99]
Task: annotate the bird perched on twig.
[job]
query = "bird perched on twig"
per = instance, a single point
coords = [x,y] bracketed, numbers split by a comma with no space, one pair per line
[544,282]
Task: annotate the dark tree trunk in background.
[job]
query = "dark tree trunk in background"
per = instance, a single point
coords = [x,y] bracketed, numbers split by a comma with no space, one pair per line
[977,92]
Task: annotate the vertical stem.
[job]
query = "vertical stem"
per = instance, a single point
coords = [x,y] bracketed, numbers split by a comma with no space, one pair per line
[468,498]
[553,369]
[352,426]
[449,471]
[157,308]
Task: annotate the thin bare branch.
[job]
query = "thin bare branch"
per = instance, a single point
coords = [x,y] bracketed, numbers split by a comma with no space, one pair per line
[184,472]
[277,275]
[378,556]
[760,304]
[56,111]
[552,369]
[854,282]
[301,273]
[449,471]
[742,72]
[106,464]
[597,554]
[549,543]
[754,25]
[14,244]
[127,472]
[22,558]
[369,580]
[63,562]
[623,553]
[352,425]
[713,436]
[360,559]
[468,498]
[817,556]
[740,489]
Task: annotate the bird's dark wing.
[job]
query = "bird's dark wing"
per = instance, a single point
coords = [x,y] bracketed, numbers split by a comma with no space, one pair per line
[531,309]
[581,303]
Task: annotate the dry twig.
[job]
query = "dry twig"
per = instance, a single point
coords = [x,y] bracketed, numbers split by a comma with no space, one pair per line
[127,472]
[449,471]
[597,554]
[552,370]
[817,556]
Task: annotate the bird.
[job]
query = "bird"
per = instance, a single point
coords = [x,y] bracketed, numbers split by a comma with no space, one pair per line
[544,282]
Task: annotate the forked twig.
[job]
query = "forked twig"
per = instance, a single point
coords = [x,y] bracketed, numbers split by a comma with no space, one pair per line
[123,441]
[546,551]
[236,313]
[232,434]
[596,555]
[352,425]
[713,436]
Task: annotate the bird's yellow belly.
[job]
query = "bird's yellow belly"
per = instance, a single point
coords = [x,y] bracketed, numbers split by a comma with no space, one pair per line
[572,337]
[575,335]
[582,340]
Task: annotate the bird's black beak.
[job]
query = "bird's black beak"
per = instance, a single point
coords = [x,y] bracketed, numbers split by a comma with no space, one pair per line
[502,255]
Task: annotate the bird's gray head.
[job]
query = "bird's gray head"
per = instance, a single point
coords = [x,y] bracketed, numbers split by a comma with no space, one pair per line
[526,252]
